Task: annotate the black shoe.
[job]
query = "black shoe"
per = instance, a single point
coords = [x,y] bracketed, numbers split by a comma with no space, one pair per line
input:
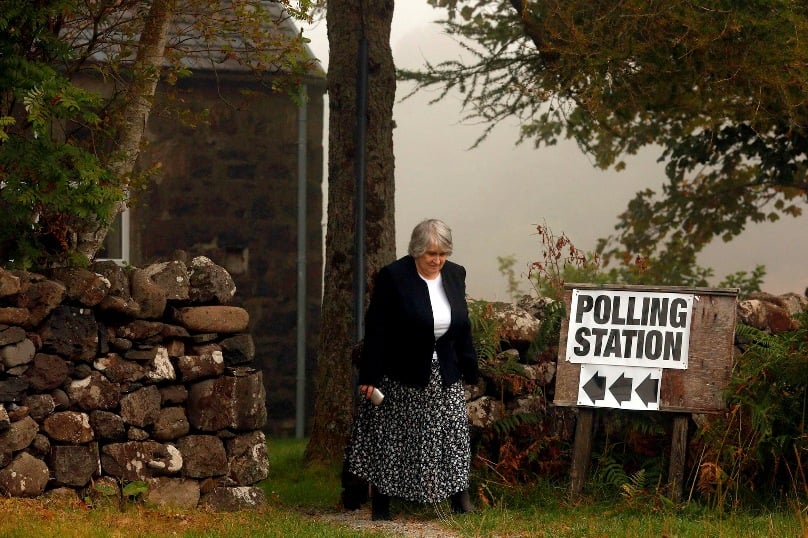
[380,506]
[461,503]
[354,491]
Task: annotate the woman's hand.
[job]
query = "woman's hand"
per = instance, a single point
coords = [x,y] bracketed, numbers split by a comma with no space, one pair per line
[366,390]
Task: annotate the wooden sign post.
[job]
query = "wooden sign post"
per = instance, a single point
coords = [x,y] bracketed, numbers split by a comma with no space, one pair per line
[644,348]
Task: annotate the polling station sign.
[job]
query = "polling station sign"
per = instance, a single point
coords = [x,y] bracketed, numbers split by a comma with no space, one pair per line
[663,348]
[629,328]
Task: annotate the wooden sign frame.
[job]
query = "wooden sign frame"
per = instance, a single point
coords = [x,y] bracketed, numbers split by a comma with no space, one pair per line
[697,389]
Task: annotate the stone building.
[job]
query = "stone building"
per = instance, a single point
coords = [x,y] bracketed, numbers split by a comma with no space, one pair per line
[228,189]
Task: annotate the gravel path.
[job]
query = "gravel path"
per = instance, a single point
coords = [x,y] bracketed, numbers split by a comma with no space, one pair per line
[403,523]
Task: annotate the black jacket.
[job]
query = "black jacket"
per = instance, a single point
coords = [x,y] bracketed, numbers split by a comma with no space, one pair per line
[399,328]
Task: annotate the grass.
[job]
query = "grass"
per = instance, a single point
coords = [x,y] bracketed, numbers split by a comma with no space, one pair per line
[292,484]
[598,519]
[294,492]
[33,519]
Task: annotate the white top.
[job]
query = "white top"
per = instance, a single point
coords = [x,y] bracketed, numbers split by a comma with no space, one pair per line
[441,311]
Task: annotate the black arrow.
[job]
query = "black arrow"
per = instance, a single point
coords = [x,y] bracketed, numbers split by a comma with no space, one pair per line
[595,388]
[621,389]
[648,390]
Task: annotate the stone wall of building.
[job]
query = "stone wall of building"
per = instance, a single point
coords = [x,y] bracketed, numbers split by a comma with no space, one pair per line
[227,189]
[113,375]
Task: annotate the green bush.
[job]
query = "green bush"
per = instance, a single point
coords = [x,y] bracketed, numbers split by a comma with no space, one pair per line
[757,451]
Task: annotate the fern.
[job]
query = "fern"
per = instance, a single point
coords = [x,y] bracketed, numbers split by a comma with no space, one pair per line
[635,487]
[486,330]
[5,122]
[550,329]
[749,335]
[38,113]
[508,425]
[632,487]
[498,368]
[611,473]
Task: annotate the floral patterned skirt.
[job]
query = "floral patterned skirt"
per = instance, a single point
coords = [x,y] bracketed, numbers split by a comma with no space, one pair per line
[415,445]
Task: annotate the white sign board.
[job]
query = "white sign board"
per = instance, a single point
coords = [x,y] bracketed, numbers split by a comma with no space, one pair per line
[621,387]
[629,328]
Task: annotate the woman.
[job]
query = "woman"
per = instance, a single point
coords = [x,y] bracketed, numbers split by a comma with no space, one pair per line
[417,351]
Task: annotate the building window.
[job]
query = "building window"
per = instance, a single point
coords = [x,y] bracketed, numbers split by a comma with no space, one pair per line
[116,244]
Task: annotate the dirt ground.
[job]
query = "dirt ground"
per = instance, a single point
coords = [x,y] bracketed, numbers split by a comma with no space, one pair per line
[422,525]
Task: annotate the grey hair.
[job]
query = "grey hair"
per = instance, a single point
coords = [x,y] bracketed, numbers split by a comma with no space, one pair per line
[427,232]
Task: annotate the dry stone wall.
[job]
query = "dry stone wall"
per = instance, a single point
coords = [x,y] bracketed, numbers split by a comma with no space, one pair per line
[111,375]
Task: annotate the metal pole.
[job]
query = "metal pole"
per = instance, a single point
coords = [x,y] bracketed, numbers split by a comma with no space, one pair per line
[302,199]
[360,173]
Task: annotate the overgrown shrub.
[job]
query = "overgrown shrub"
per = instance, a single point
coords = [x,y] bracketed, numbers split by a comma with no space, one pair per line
[758,449]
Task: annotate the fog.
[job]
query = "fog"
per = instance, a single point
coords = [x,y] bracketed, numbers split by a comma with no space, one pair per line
[493,196]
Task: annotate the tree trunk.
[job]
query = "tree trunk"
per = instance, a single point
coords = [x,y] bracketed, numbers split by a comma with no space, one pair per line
[334,383]
[139,98]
